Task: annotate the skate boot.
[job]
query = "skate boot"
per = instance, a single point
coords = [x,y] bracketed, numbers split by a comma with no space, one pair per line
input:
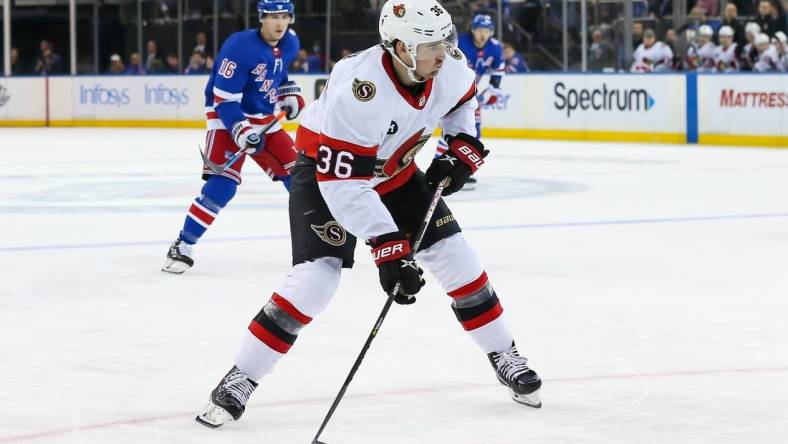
[228,399]
[178,257]
[513,372]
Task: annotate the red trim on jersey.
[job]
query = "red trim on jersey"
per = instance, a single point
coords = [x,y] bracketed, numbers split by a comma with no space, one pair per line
[468,96]
[217,100]
[268,338]
[212,115]
[470,288]
[200,214]
[285,305]
[484,318]
[343,145]
[397,181]
[417,102]
[307,141]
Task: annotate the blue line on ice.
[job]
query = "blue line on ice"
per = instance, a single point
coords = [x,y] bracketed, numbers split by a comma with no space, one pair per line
[661,220]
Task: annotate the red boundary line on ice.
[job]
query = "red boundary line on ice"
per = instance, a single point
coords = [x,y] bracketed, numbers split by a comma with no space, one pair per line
[146,419]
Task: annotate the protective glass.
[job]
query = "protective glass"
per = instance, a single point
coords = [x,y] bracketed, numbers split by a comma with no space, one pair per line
[433,50]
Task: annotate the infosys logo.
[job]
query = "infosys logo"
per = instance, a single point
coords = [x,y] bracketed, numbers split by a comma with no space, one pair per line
[601,99]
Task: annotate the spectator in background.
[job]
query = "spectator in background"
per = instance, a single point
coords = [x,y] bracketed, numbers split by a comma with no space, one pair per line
[171,64]
[601,55]
[769,18]
[652,55]
[305,63]
[209,63]
[135,65]
[48,62]
[16,64]
[153,49]
[202,43]
[709,8]
[767,60]
[515,62]
[637,34]
[156,67]
[196,64]
[729,19]
[116,65]
[671,39]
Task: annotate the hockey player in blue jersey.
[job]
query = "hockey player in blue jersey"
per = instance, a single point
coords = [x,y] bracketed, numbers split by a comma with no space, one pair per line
[247,87]
[485,56]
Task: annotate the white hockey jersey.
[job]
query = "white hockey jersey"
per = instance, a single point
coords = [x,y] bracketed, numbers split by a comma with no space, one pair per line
[702,58]
[767,61]
[366,118]
[659,57]
[725,60]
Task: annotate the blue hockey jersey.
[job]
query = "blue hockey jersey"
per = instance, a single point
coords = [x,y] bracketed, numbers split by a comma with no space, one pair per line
[245,77]
[487,60]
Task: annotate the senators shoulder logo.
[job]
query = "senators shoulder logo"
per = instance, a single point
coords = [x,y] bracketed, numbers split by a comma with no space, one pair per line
[331,233]
[364,90]
[453,51]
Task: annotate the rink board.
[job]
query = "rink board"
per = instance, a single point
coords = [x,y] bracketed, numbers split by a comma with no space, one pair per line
[668,108]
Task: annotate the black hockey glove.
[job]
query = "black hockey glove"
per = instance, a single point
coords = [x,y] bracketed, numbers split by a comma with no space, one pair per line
[395,262]
[464,156]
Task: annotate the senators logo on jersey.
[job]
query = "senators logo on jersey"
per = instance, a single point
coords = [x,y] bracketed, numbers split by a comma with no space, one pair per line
[453,51]
[403,156]
[331,233]
[364,90]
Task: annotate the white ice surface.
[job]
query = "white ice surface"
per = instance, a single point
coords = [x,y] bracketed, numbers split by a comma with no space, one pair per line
[647,284]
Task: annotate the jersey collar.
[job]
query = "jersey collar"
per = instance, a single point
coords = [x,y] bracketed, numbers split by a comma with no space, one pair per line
[418,101]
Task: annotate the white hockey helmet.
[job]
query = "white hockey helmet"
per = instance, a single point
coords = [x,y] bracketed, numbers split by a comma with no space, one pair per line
[424,26]
[752,28]
[761,39]
[705,30]
[726,31]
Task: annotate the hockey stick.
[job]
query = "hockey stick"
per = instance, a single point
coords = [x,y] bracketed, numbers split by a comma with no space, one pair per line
[419,236]
[219,169]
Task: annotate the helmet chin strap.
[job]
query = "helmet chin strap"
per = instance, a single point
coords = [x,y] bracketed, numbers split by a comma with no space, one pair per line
[411,70]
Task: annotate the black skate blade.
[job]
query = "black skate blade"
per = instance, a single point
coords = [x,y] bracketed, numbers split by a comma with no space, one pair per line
[534,406]
[206,424]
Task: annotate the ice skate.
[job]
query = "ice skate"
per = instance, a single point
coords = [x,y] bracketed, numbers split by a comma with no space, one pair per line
[514,373]
[178,257]
[228,399]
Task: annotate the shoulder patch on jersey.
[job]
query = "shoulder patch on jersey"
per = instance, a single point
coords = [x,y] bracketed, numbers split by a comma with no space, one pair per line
[364,90]
[454,52]
[331,233]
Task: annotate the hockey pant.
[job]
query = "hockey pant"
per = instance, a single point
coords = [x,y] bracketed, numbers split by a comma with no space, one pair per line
[309,287]
[277,159]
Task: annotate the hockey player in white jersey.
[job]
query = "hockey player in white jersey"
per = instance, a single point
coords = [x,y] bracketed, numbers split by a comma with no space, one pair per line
[652,55]
[749,53]
[767,60]
[725,59]
[356,178]
[780,43]
[700,54]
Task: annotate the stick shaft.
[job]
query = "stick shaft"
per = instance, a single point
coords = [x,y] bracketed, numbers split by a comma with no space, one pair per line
[419,237]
